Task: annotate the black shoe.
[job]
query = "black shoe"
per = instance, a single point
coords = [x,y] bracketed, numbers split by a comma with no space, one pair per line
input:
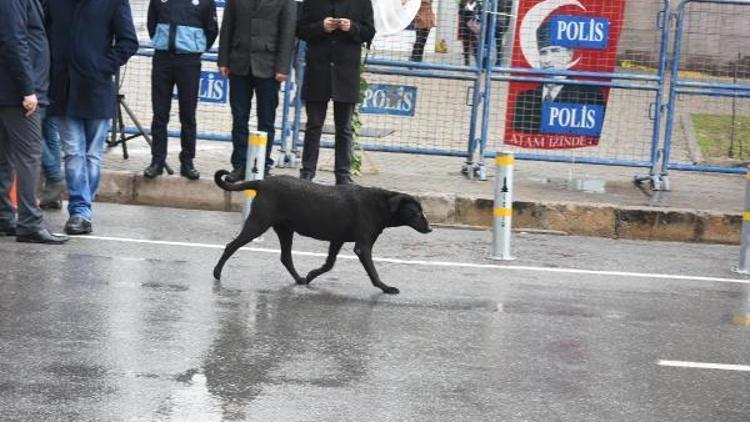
[344,180]
[189,172]
[236,175]
[51,196]
[155,169]
[42,236]
[8,229]
[78,225]
[268,171]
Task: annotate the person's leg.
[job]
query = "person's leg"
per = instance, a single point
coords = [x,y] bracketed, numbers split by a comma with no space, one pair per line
[417,52]
[23,148]
[96,138]
[7,210]
[73,140]
[466,44]
[342,116]
[268,101]
[54,184]
[316,115]
[188,75]
[162,84]
[240,100]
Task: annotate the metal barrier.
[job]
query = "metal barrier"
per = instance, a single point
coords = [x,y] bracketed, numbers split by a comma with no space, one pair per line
[451,98]
[709,92]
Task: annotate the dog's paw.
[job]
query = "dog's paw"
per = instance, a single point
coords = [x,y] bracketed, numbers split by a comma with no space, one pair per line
[390,290]
[217,274]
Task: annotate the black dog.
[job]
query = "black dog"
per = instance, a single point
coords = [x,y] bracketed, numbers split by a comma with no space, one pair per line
[338,214]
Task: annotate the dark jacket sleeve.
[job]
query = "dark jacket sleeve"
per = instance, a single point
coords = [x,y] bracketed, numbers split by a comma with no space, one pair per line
[126,41]
[363,31]
[153,17]
[210,25]
[227,33]
[287,22]
[309,28]
[14,45]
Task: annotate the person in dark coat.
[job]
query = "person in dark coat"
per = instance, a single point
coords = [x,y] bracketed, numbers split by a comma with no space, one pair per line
[255,50]
[334,31]
[24,68]
[89,41]
[180,31]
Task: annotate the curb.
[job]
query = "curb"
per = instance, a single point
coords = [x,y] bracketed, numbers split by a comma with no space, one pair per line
[584,219]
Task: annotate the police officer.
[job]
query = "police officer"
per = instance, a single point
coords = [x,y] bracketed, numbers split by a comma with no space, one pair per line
[180,30]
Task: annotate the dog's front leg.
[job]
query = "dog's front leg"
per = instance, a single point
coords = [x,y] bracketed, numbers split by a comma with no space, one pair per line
[364,252]
[333,250]
[286,236]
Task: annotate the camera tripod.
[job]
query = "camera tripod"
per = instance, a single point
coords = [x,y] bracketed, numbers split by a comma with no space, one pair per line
[118,135]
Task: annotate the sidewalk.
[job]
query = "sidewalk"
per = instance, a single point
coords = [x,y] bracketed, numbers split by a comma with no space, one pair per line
[567,198]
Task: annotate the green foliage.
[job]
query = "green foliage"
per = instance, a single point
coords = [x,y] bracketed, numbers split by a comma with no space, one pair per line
[357,150]
[721,136]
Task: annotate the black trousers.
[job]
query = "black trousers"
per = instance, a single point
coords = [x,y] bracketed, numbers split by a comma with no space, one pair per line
[170,70]
[417,51]
[316,116]
[20,154]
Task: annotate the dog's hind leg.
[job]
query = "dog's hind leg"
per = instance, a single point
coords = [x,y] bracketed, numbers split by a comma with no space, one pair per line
[333,250]
[250,231]
[285,240]
[364,252]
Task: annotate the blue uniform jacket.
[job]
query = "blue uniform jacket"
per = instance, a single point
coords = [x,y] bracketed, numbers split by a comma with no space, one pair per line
[24,53]
[89,41]
[182,26]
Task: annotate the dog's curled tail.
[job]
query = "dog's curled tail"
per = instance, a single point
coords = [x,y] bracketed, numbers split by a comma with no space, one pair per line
[219,179]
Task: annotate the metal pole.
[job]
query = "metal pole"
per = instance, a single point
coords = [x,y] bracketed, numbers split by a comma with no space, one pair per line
[744,267]
[255,165]
[503,209]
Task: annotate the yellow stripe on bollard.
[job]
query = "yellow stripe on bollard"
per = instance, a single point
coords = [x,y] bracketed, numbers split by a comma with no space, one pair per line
[503,212]
[742,319]
[746,216]
[250,193]
[504,161]
[256,140]
[747,175]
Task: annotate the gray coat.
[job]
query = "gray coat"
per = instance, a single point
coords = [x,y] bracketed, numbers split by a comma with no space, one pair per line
[257,36]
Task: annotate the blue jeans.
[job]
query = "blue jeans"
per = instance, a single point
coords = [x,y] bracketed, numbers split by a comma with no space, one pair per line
[83,143]
[240,98]
[51,160]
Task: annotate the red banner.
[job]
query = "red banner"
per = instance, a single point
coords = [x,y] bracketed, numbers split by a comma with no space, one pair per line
[576,35]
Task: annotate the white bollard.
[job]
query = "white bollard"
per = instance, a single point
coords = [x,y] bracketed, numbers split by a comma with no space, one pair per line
[255,166]
[744,267]
[503,209]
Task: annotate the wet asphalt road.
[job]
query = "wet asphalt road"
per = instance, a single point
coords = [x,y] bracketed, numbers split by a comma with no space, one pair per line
[112,328]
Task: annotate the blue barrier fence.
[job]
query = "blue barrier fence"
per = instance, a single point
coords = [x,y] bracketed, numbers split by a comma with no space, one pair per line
[452,101]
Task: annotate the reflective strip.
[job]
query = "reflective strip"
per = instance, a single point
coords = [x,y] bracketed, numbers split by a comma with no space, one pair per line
[746,216]
[743,320]
[504,160]
[250,193]
[257,140]
[747,175]
[503,212]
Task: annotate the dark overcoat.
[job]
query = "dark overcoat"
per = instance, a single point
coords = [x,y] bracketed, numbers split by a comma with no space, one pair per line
[89,41]
[332,60]
[24,53]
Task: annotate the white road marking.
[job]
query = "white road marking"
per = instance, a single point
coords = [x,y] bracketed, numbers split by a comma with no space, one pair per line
[704,365]
[438,263]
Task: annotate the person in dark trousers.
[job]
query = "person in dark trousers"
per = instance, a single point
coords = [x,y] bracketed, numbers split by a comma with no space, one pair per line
[180,30]
[334,31]
[504,8]
[468,24]
[89,41]
[255,50]
[24,78]
[54,180]
[423,22]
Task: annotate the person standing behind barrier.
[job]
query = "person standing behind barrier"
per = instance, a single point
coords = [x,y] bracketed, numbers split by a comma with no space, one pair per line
[468,28]
[334,31]
[423,22]
[255,49]
[180,31]
[54,180]
[24,78]
[89,41]
[504,8]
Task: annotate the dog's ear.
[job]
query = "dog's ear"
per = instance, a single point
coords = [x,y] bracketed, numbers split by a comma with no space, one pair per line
[395,201]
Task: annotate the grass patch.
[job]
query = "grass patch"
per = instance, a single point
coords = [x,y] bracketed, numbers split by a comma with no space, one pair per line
[715,135]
